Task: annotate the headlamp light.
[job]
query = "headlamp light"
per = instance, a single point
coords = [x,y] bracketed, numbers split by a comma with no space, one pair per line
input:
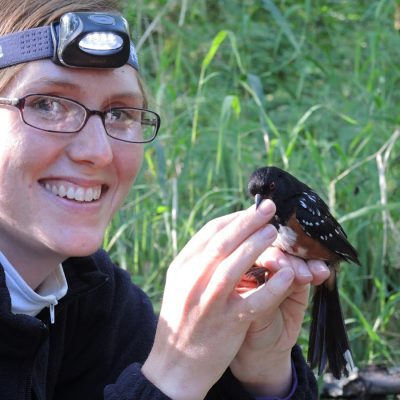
[80,39]
[92,39]
[100,43]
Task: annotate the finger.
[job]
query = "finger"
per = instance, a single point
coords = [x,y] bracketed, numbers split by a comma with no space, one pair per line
[319,270]
[245,286]
[239,229]
[230,271]
[311,271]
[275,259]
[268,297]
[302,272]
[220,237]
[201,238]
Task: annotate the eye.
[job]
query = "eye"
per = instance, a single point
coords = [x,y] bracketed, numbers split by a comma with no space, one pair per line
[39,109]
[47,105]
[117,115]
[272,186]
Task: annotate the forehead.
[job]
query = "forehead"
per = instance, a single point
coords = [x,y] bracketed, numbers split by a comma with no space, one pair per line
[88,84]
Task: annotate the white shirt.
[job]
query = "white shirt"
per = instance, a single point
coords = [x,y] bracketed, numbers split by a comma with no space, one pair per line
[24,300]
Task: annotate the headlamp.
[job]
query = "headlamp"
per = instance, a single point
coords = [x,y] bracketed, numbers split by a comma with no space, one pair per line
[79,39]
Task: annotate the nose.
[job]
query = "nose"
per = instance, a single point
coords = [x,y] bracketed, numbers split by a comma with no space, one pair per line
[92,144]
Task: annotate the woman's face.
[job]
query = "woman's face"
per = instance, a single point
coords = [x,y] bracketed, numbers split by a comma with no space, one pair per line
[45,176]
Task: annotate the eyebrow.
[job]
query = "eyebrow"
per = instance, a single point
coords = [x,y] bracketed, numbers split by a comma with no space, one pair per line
[56,84]
[48,82]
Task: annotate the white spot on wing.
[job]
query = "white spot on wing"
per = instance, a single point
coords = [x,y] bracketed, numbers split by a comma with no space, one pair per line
[343,254]
[312,197]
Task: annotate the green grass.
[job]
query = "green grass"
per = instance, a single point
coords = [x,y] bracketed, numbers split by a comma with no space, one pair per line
[311,86]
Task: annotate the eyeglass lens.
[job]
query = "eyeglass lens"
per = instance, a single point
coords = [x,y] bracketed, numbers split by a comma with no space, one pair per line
[57,114]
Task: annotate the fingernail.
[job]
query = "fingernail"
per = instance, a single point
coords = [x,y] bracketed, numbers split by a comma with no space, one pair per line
[321,266]
[286,274]
[303,271]
[267,207]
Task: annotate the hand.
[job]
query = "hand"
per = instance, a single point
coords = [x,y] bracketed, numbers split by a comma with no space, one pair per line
[263,363]
[204,320]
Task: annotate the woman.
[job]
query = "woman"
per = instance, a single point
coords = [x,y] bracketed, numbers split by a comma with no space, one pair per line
[72,325]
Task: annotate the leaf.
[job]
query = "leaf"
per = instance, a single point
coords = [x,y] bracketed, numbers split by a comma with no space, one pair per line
[281,21]
[217,41]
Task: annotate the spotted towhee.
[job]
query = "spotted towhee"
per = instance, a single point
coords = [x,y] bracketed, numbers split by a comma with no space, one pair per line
[307,229]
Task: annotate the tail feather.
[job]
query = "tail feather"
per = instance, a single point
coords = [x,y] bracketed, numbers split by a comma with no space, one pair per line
[328,346]
[317,355]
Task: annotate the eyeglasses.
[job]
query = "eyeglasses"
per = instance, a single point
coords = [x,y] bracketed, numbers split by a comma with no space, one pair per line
[58,114]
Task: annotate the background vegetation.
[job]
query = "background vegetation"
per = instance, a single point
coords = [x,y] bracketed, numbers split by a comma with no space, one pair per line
[311,86]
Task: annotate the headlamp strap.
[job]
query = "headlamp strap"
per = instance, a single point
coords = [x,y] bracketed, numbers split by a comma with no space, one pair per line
[30,45]
[37,44]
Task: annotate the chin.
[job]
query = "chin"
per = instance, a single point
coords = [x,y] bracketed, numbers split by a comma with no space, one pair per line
[83,252]
[77,248]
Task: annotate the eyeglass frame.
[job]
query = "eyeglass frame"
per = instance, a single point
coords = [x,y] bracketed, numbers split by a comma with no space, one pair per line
[19,103]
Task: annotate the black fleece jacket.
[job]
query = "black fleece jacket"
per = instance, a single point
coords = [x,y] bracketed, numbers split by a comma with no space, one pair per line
[104,329]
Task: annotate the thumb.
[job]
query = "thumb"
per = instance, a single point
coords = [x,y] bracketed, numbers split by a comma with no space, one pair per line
[269,296]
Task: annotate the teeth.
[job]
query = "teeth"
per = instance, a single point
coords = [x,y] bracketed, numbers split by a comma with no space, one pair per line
[89,195]
[71,193]
[80,194]
[75,193]
[61,191]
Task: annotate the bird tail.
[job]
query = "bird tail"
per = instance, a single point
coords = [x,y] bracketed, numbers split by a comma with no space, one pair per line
[328,342]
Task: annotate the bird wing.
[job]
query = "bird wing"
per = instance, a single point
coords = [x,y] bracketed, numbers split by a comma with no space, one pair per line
[316,220]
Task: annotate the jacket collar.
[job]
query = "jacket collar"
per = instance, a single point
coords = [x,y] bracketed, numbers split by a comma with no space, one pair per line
[83,276]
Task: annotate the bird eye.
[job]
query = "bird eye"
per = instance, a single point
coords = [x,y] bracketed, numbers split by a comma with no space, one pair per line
[272,186]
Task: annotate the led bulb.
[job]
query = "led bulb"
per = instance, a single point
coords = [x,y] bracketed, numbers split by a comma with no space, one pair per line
[100,41]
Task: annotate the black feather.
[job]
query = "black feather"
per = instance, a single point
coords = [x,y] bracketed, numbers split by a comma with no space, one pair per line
[328,340]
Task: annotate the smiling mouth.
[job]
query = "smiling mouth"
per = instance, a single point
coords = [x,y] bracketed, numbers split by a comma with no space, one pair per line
[74,192]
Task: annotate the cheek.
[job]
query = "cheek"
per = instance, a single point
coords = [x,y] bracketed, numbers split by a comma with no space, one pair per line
[8,129]
[24,154]
[128,162]
[17,138]
[11,148]
[15,163]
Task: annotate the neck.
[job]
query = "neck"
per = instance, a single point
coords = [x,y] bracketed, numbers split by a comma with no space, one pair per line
[34,268]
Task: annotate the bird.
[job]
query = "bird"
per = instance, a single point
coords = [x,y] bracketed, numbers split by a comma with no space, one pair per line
[307,229]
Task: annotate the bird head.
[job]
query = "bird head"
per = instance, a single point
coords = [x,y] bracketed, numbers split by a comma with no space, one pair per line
[272,183]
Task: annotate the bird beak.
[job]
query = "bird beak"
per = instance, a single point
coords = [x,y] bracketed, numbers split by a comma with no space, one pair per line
[257,200]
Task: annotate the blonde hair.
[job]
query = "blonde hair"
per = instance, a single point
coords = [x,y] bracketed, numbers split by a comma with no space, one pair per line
[18,15]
